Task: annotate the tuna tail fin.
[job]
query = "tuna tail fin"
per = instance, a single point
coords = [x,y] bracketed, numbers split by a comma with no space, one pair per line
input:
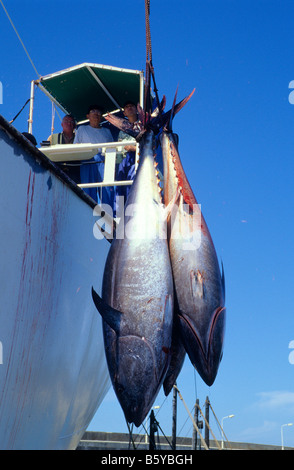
[168,126]
[165,120]
[182,103]
[155,122]
[110,315]
[160,107]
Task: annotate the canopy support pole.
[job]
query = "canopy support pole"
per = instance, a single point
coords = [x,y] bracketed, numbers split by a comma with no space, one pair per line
[32,97]
[103,87]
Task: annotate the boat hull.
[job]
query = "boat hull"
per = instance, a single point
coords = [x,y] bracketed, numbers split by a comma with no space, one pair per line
[53,372]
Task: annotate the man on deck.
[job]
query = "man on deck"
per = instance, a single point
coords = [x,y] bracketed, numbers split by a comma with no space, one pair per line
[90,171]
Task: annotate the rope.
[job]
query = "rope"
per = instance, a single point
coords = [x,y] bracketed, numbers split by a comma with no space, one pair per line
[191,417]
[10,122]
[147,99]
[209,427]
[148,34]
[149,65]
[19,38]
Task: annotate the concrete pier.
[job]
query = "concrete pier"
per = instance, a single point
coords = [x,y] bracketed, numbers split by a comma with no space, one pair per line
[120,441]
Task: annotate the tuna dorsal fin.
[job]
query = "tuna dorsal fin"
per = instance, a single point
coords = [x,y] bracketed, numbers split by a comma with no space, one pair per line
[110,315]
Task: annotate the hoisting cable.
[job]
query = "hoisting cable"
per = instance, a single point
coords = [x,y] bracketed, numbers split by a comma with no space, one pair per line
[148,33]
[20,39]
[147,99]
[149,66]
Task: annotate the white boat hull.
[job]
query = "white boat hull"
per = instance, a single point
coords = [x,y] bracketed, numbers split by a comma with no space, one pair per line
[53,372]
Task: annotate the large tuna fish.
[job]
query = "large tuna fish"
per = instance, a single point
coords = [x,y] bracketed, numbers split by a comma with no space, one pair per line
[137,295]
[199,285]
[178,354]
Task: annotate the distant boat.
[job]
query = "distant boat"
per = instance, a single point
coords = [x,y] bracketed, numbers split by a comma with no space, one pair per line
[53,372]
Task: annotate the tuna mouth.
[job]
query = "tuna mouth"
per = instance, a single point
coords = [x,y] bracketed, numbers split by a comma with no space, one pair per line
[206,363]
[136,380]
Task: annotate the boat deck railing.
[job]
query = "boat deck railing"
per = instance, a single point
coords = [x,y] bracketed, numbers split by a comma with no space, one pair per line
[77,153]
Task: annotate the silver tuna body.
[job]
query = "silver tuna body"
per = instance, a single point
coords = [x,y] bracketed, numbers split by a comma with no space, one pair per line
[137,292]
[199,285]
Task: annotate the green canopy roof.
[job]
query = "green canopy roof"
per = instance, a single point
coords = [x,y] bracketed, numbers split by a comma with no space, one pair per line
[75,88]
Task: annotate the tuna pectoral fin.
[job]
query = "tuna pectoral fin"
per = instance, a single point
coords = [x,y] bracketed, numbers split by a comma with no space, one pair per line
[110,315]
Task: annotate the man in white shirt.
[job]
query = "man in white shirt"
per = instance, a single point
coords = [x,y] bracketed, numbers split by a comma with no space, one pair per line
[90,172]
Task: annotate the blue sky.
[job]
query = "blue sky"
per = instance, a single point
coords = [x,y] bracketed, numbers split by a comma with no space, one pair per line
[237,148]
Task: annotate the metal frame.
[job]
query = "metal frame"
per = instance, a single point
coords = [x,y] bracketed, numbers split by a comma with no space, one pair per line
[71,69]
[86,152]
[77,151]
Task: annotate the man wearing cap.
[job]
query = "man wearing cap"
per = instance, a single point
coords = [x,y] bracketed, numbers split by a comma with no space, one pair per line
[94,133]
